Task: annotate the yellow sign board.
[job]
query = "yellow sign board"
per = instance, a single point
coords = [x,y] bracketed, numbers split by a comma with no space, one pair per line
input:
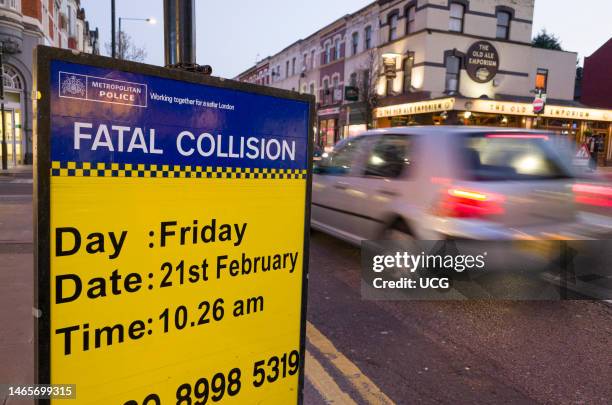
[172,234]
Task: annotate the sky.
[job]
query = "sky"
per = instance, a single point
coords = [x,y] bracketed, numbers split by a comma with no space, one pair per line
[232,34]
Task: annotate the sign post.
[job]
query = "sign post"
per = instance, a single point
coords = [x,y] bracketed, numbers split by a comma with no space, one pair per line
[539,103]
[172,214]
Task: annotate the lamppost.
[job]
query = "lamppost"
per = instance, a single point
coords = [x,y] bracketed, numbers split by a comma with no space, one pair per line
[120,41]
[113,35]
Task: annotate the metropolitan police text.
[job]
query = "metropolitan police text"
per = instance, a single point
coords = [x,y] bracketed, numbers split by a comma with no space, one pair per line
[121,138]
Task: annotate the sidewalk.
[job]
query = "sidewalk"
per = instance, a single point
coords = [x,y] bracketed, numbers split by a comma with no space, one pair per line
[17,171]
[16,279]
[605,172]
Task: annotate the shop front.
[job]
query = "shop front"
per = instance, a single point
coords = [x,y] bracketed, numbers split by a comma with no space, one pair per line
[430,112]
[584,126]
[328,127]
[11,122]
[353,119]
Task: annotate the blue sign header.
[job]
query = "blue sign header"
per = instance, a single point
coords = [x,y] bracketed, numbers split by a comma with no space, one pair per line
[108,116]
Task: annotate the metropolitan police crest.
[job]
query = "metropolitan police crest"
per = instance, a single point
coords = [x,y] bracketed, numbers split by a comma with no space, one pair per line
[74,86]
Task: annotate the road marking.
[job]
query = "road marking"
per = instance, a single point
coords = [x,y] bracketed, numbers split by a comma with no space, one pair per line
[22,181]
[368,391]
[324,383]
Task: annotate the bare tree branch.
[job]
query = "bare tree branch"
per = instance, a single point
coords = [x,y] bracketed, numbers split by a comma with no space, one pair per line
[368,84]
[127,49]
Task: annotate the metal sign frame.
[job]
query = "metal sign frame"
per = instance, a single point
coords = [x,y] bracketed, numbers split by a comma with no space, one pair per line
[42,173]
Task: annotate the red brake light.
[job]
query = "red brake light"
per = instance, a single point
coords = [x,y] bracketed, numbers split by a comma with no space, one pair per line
[464,203]
[519,136]
[591,194]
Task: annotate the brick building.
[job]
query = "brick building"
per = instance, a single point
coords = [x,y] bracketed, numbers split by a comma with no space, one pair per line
[597,78]
[25,24]
[436,62]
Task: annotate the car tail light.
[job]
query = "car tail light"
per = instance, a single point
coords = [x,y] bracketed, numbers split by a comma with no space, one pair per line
[467,203]
[519,136]
[591,194]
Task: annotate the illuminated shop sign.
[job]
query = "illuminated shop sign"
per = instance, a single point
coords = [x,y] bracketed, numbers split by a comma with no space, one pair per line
[551,111]
[492,107]
[421,107]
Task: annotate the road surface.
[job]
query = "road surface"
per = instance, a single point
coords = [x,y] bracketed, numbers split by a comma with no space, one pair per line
[364,352]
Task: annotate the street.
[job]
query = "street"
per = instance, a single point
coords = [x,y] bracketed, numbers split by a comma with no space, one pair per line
[370,352]
[349,202]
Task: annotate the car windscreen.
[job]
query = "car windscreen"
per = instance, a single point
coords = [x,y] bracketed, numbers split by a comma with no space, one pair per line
[340,160]
[491,157]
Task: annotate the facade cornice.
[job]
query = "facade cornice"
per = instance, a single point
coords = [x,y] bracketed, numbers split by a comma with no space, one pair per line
[11,22]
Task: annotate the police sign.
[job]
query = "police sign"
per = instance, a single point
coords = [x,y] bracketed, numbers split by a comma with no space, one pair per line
[172,213]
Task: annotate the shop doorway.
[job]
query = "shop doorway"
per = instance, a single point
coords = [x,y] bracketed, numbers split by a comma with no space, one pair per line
[14,139]
[329,133]
[595,144]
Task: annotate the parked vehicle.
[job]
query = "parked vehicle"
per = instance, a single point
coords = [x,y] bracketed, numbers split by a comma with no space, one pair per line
[447,182]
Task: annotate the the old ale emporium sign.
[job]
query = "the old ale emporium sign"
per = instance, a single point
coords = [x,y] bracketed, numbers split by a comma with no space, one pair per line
[172,231]
[482,62]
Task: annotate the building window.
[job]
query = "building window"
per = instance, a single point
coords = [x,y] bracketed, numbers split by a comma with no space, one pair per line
[312,88]
[503,24]
[293,66]
[410,17]
[355,43]
[312,59]
[287,69]
[325,91]
[407,71]
[327,57]
[368,38]
[353,80]
[305,62]
[336,86]
[389,86]
[457,11]
[11,78]
[541,79]
[453,64]
[69,15]
[366,84]
[336,49]
[393,27]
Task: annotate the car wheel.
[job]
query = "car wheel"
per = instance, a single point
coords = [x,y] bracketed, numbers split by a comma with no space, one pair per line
[398,230]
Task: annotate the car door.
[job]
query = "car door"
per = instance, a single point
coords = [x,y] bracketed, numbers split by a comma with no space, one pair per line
[383,182]
[333,202]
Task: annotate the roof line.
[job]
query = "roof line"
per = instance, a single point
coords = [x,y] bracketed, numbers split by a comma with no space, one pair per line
[344,17]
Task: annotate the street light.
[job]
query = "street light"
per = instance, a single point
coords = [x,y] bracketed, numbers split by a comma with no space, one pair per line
[150,20]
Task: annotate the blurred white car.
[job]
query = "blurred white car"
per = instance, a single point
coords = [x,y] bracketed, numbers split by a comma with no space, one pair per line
[451,182]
